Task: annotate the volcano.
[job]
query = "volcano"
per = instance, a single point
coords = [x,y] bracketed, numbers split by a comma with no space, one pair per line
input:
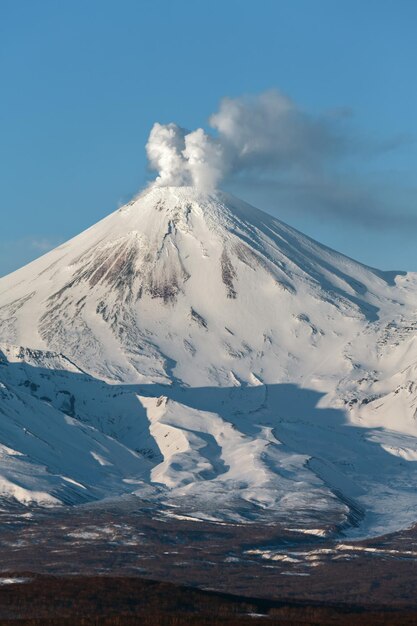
[201,354]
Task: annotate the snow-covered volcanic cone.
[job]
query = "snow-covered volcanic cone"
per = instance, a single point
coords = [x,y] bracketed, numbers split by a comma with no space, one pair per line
[200,352]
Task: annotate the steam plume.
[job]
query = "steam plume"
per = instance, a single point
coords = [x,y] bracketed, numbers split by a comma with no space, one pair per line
[267,131]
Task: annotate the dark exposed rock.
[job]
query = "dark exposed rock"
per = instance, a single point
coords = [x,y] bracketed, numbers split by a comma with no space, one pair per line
[196,317]
[228,274]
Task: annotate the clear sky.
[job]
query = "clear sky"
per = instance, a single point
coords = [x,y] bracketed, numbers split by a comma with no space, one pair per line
[83,81]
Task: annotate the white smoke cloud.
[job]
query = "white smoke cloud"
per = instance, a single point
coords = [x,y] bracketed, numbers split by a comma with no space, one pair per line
[204,157]
[184,158]
[164,149]
[272,132]
[263,135]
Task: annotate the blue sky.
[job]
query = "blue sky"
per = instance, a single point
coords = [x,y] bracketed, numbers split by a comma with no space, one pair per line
[83,82]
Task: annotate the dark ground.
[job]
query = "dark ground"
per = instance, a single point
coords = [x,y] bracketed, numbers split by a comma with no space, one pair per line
[97,565]
[80,600]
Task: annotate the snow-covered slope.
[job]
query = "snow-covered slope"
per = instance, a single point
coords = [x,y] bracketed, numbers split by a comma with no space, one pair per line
[220,358]
[207,289]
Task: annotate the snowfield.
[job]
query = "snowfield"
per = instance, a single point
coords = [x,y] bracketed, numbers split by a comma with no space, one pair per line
[200,353]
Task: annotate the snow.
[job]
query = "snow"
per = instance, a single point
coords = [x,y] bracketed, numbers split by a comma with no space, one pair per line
[319,556]
[13,581]
[319,532]
[193,350]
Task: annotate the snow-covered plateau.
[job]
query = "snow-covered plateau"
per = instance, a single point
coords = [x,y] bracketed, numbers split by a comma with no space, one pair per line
[205,356]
